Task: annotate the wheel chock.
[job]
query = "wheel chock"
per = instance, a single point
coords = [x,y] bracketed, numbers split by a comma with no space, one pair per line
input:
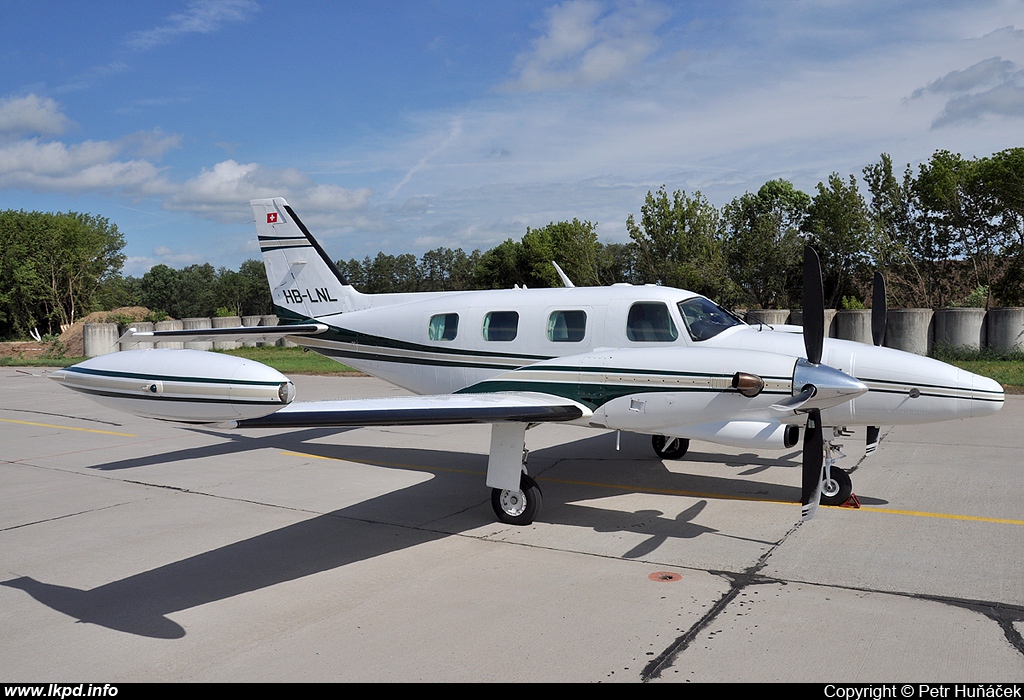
[851,502]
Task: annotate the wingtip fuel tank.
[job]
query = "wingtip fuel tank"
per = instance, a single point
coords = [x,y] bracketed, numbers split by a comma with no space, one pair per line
[188,386]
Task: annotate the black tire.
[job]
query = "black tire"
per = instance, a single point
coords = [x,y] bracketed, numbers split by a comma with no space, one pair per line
[669,448]
[838,491]
[518,507]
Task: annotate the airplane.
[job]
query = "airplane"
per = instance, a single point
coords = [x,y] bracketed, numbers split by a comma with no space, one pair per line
[638,358]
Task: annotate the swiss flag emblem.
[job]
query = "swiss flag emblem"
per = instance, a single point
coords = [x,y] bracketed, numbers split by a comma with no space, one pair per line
[272,217]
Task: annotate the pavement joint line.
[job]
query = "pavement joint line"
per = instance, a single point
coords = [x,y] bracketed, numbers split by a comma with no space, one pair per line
[65,515]
[65,427]
[62,415]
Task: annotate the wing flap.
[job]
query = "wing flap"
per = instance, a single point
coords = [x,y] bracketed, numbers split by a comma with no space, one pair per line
[500,407]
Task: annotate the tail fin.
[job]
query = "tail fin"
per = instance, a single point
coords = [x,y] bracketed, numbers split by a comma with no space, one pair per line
[304,282]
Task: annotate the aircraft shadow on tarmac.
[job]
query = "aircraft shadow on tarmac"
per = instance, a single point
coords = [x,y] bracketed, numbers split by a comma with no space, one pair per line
[139,604]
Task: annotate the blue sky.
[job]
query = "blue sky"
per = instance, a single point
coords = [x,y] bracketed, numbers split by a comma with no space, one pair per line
[404,126]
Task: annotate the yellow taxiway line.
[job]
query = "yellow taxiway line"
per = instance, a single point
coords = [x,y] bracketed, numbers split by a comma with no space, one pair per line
[65,427]
[677,492]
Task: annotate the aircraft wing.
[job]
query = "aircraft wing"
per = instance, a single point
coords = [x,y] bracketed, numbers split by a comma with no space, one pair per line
[498,407]
[133,339]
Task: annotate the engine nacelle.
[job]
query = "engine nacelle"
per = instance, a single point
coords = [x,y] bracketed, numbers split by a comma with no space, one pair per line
[188,386]
[768,435]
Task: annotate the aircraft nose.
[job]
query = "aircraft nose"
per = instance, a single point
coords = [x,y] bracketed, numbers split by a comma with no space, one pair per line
[986,394]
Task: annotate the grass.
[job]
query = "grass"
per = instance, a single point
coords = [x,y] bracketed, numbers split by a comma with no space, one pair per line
[19,361]
[292,360]
[1007,368]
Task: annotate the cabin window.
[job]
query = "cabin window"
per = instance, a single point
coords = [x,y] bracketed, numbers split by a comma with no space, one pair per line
[704,319]
[501,325]
[567,326]
[443,327]
[649,321]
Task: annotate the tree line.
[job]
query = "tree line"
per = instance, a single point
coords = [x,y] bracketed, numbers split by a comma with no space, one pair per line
[949,233]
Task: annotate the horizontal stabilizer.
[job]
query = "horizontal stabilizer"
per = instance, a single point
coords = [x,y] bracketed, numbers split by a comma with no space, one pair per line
[133,340]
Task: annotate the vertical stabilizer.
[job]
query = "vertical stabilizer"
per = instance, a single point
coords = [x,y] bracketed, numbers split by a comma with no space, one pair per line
[304,282]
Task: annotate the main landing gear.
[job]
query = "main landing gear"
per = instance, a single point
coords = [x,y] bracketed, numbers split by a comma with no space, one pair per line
[522,506]
[518,507]
[669,447]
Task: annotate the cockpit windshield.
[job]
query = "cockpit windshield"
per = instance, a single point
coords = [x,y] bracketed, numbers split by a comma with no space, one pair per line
[704,319]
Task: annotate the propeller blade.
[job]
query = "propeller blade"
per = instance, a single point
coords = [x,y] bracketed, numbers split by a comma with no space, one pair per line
[814,306]
[878,309]
[792,403]
[872,439]
[814,455]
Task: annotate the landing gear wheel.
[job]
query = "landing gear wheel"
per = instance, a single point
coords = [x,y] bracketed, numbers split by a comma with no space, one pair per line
[669,447]
[517,507]
[836,491]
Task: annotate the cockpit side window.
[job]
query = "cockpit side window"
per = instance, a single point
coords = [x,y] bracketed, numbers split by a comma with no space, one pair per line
[704,319]
[650,322]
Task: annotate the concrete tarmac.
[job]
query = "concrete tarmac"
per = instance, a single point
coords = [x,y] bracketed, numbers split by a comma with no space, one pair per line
[134,550]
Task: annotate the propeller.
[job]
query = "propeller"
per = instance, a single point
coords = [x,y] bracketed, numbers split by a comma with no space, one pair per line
[814,340]
[878,314]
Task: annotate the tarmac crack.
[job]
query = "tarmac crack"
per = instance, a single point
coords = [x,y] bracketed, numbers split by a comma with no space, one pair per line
[62,517]
[1003,614]
[737,582]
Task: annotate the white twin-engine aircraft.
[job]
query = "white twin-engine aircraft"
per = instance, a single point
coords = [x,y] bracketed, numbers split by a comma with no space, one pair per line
[646,359]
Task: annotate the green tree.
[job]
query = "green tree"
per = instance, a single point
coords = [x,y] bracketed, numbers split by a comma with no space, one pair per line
[616,262]
[1003,178]
[501,266]
[959,213]
[159,289]
[52,267]
[257,299]
[839,227]
[679,243]
[196,292]
[116,291]
[902,247]
[447,269]
[763,243]
[231,290]
[354,271]
[572,244]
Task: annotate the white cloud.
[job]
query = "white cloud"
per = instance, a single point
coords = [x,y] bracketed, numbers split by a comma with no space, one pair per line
[126,166]
[92,165]
[150,144]
[221,193]
[585,43]
[31,114]
[201,17]
[993,86]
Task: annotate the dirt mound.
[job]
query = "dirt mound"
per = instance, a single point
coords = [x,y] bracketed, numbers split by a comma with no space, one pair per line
[74,337]
[22,349]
